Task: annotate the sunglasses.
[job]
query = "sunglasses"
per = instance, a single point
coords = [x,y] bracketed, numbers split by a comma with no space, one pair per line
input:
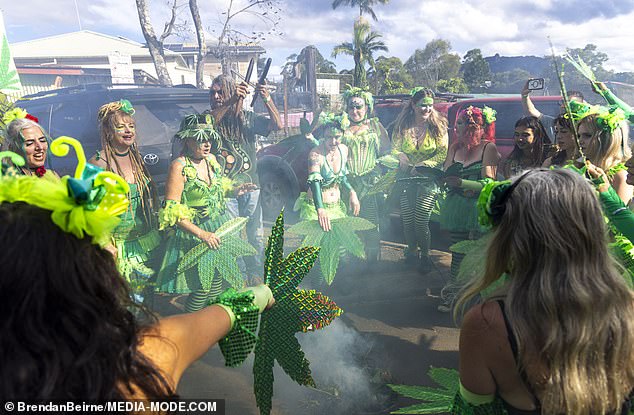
[357,106]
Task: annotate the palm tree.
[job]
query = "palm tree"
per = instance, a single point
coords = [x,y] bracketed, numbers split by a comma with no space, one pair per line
[362,49]
[365,6]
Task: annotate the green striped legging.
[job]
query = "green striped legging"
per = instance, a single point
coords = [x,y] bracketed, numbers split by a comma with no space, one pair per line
[417,203]
[199,299]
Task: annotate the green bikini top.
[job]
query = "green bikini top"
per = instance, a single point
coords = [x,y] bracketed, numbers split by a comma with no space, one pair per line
[327,176]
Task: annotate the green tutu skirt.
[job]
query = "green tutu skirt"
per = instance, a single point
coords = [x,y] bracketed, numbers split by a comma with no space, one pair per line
[307,211]
[459,213]
[178,245]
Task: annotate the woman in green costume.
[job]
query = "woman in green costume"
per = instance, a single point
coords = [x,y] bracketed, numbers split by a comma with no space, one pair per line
[557,337]
[473,159]
[325,221]
[603,143]
[194,202]
[327,175]
[367,140]
[136,236]
[419,139]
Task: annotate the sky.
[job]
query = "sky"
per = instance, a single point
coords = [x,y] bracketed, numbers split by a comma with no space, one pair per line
[507,27]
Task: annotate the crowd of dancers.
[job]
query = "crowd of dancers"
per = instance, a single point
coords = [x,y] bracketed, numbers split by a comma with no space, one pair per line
[552,332]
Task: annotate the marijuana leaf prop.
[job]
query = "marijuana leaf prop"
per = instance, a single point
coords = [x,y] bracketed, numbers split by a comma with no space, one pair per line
[437,400]
[222,259]
[295,310]
[9,79]
[342,236]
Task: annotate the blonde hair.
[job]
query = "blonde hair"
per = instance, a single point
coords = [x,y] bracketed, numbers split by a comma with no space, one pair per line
[566,300]
[147,193]
[607,148]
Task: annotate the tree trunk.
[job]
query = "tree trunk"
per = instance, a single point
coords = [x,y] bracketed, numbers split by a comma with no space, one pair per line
[155,46]
[202,47]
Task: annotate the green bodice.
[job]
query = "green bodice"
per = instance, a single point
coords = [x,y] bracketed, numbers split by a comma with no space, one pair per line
[363,148]
[207,199]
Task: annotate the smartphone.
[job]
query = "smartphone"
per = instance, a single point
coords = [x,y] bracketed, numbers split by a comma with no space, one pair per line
[535,83]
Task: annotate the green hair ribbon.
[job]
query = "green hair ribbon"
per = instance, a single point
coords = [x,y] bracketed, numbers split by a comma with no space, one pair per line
[611,119]
[14,114]
[126,106]
[489,114]
[489,202]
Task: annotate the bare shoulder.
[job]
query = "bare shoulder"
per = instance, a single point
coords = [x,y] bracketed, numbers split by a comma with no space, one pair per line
[344,148]
[482,319]
[177,165]
[98,160]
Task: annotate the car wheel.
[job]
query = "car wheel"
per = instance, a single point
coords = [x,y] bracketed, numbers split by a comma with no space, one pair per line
[274,195]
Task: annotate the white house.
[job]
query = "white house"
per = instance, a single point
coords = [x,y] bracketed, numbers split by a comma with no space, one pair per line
[88,49]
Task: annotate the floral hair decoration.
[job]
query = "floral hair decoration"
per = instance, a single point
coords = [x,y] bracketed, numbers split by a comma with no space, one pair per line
[121,105]
[86,204]
[492,200]
[330,120]
[17,113]
[200,127]
[488,114]
[353,91]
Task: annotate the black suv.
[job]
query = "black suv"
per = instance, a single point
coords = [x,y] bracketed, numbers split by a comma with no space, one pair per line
[158,113]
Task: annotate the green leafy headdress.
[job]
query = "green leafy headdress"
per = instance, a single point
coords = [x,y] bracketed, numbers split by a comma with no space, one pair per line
[86,204]
[353,91]
[331,121]
[200,127]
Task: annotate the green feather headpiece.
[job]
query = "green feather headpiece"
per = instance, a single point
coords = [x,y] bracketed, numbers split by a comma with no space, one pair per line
[330,120]
[353,91]
[200,127]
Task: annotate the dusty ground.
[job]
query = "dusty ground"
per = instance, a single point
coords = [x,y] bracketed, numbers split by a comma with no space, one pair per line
[390,332]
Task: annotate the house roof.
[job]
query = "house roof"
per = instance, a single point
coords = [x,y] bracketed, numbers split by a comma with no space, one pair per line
[84,43]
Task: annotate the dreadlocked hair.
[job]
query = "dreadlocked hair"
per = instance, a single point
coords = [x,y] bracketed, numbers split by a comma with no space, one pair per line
[230,127]
[147,191]
[437,123]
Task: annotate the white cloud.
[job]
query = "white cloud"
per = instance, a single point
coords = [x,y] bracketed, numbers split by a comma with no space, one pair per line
[507,27]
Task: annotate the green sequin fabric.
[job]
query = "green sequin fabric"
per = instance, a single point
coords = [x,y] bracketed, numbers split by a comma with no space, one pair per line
[295,310]
[237,345]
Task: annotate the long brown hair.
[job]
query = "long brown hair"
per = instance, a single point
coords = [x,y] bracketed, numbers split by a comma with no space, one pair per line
[145,185]
[437,123]
[567,301]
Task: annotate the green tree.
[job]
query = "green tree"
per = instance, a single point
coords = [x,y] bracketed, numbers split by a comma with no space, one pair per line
[475,70]
[572,78]
[435,62]
[389,76]
[365,6]
[363,47]
[509,82]
[453,85]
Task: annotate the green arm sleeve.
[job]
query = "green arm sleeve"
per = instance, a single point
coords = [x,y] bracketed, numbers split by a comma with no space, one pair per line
[614,100]
[315,187]
[620,216]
